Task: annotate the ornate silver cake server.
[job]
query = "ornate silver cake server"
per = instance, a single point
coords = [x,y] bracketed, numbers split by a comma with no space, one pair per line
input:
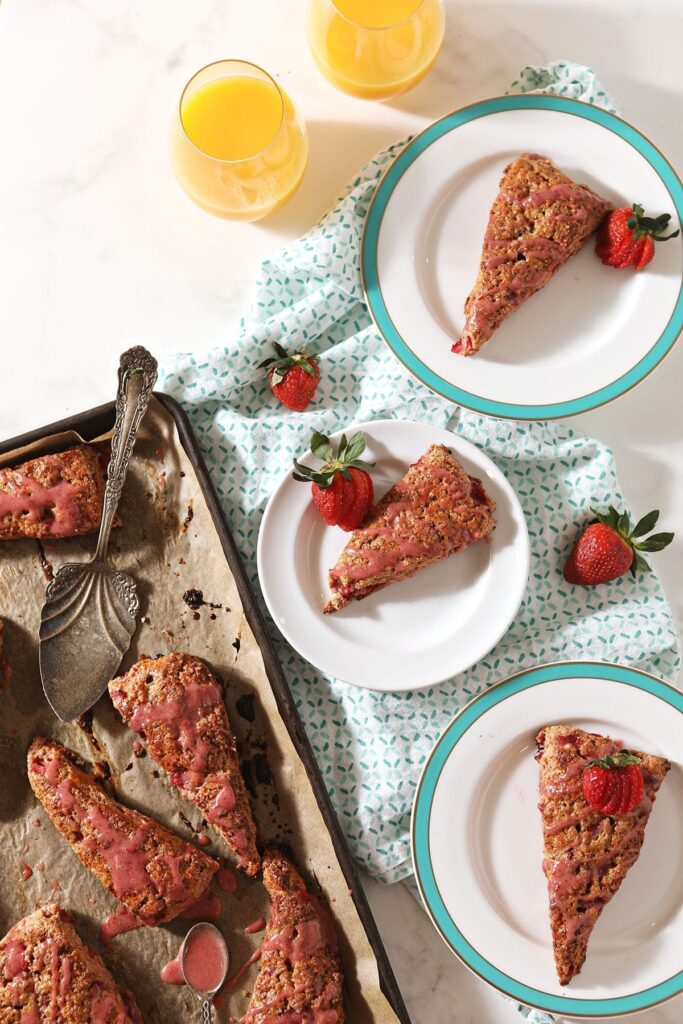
[90,610]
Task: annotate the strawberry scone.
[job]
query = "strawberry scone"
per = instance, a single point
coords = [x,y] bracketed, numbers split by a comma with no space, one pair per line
[435,511]
[174,703]
[300,975]
[539,219]
[588,851]
[54,495]
[49,976]
[152,871]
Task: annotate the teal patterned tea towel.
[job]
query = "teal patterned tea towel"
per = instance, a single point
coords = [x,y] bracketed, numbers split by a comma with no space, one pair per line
[371,746]
[564,78]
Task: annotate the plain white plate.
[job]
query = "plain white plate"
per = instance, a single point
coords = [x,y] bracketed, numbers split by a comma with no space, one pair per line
[477,842]
[419,631]
[587,337]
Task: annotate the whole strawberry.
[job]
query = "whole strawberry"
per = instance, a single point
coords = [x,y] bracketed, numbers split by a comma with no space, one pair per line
[626,237]
[342,489]
[608,548]
[292,378]
[614,785]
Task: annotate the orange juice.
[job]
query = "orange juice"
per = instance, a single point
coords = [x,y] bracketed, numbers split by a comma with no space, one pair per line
[238,147]
[377,13]
[375,48]
[233,118]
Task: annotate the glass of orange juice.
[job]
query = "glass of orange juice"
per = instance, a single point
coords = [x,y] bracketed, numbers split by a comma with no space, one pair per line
[375,48]
[238,147]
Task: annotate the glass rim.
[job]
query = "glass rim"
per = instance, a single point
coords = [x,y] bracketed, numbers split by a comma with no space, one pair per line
[378,28]
[215,63]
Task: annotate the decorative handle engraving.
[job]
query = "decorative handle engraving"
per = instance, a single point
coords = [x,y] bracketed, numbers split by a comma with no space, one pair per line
[137,377]
[206,1011]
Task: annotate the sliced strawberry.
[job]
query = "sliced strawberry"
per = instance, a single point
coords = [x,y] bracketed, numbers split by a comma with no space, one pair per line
[637,783]
[328,500]
[603,787]
[614,785]
[645,250]
[625,794]
[362,491]
[614,797]
[626,237]
[348,497]
[344,475]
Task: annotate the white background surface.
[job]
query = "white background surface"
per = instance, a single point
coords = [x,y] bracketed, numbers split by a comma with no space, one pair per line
[100,249]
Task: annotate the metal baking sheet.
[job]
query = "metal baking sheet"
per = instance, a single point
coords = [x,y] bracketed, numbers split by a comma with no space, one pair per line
[173,538]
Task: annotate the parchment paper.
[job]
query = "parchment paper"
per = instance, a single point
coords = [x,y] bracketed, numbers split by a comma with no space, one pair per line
[169,543]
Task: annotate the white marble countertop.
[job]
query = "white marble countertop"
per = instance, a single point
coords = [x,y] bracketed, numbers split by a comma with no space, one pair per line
[99,248]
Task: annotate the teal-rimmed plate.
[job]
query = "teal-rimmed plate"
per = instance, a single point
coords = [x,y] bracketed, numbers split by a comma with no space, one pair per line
[477,845]
[587,338]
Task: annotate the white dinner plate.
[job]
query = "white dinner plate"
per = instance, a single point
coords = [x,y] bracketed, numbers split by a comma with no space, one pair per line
[477,845]
[592,333]
[421,630]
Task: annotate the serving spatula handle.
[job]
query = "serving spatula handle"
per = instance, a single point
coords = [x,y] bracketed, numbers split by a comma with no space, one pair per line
[137,377]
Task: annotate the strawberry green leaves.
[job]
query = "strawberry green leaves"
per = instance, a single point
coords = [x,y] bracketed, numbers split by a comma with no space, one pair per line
[646,524]
[283,361]
[342,461]
[657,542]
[618,760]
[641,225]
[322,447]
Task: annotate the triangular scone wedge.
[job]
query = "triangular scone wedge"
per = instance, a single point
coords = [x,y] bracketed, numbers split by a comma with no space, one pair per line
[152,871]
[52,496]
[539,219]
[49,976]
[175,704]
[435,511]
[587,854]
[300,974]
